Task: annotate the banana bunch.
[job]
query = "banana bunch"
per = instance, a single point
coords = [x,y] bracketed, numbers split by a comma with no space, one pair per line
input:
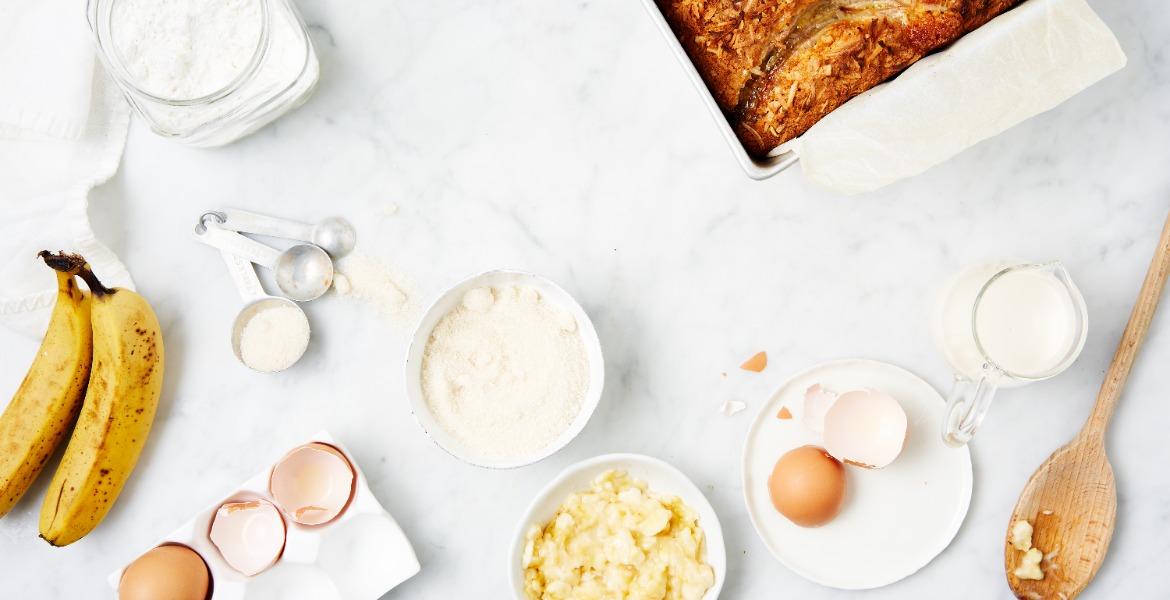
[99,371]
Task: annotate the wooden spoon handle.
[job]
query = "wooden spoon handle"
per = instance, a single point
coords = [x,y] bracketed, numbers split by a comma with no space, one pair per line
[1135,334]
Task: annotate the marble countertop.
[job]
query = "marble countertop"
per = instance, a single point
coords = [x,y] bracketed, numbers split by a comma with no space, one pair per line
[563,139]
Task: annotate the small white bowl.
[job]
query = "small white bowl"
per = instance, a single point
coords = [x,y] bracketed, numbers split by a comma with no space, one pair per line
[451,299]
[659,475]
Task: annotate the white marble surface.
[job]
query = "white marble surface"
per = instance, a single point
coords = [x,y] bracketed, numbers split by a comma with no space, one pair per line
[563,139]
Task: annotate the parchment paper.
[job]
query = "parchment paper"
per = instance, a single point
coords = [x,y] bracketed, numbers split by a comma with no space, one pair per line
[1020,64]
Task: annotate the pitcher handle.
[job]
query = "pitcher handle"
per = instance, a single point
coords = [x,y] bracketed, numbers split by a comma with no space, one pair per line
[967,404]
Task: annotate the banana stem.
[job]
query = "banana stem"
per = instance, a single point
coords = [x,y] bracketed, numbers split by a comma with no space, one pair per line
[75,264]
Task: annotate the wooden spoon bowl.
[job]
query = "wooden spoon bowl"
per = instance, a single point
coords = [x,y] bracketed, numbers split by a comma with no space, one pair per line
[1071,500]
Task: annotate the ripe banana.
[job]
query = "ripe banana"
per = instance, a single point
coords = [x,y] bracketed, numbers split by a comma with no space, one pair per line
[48,399]
[120,402]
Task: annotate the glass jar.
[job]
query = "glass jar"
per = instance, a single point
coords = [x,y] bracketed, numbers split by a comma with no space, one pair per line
[206,72]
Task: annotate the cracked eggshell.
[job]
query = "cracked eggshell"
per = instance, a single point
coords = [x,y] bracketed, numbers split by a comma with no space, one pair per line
[817,401]
[865,428]
[249,535]
[313,484]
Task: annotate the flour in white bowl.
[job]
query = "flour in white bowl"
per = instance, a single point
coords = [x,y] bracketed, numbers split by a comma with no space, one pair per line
[505,372]
[185,49]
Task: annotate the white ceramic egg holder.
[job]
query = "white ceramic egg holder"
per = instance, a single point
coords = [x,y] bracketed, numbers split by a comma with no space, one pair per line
[363,553]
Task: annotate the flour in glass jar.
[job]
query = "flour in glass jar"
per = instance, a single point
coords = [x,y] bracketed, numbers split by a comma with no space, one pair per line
[212,70]
[186,49]
[505,372]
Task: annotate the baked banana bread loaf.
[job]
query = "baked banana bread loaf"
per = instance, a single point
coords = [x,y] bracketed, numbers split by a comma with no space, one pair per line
[777,66]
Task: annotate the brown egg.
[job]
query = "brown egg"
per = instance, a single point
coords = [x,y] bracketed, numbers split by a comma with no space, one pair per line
[807,486]
[169,572]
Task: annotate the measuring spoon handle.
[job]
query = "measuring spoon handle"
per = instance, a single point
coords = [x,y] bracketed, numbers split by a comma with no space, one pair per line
[232,242]
[250,222]
[244,276]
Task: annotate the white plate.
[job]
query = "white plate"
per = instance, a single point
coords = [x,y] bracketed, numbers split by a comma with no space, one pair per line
[659,475]
[447,302]
[896,519]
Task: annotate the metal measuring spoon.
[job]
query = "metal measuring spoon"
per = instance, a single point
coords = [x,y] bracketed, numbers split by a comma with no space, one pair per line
[334,234]
[255,300]
[303,272]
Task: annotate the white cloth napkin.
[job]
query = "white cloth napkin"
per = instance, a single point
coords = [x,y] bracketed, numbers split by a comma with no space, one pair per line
[1022,63]
[63,126]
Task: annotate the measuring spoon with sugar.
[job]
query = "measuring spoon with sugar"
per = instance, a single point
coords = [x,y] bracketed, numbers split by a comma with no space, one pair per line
[303,272]
[257,301]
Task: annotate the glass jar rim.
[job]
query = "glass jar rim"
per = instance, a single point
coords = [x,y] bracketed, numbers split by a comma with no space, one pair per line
[119,71]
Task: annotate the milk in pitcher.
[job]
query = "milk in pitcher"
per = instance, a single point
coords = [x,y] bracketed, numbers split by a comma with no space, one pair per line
[1020,317]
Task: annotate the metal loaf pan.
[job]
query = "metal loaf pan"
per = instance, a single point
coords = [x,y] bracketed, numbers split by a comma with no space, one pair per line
[755,168]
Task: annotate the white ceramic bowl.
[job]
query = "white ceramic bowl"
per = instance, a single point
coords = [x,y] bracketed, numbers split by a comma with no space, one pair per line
[448,301]
[658,474]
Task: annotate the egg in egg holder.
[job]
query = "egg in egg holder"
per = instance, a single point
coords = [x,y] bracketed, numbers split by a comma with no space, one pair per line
[359,553]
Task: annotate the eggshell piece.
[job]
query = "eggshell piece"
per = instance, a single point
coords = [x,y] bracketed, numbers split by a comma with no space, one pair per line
[170,571]
[312,484]
[866,428]
[732,407]
[817,401]
[249,535]
[807,486]
[757,363]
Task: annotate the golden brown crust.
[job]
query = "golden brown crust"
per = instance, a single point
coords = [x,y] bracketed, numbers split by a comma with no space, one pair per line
[776,67]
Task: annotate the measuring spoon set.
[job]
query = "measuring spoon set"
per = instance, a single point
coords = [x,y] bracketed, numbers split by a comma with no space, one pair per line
[302,272]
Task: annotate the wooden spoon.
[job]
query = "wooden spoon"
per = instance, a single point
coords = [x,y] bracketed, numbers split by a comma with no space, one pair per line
[1071,500]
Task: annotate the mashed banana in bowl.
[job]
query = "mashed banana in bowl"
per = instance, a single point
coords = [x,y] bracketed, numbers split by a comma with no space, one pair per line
[618,540]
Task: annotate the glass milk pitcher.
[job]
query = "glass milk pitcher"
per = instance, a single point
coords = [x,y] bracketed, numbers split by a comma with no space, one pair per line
[1005,324]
